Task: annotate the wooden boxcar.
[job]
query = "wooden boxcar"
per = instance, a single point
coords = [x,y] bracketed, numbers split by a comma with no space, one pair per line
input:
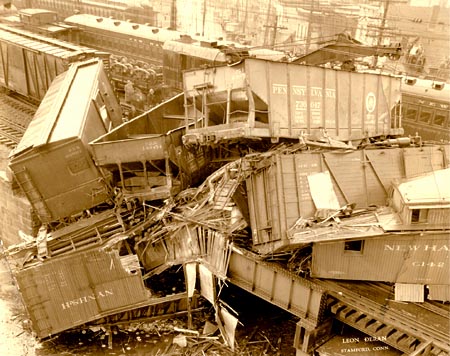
[414,257]
[69,291]
[52,163]
[29,62]
[415,248]
[269,99]
[146,154]
[279,192]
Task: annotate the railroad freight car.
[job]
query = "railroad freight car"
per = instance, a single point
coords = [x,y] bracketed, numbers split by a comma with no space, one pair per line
[118,9]
[273,100]
[187,53]
[426,109]
[146,154]
[413,244]
[29,62]
[282,187]
[68,291]
[52,163]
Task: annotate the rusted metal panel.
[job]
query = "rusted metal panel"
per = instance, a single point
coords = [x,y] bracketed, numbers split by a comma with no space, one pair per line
[275,285]
[421,258]
[347,105]
[65,292]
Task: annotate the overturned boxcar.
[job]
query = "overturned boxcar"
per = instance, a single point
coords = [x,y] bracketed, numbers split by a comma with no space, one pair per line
[146,154]
[280,191]
[52,163]
[29,62]
[266,99]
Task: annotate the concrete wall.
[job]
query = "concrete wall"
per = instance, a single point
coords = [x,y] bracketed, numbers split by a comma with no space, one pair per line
[15,210]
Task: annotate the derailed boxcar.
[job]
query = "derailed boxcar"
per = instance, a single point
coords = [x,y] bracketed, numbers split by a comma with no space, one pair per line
[265,99]
[29,62]
[146,154]
[52,162]
[279,192]
[69,291]
[413,248]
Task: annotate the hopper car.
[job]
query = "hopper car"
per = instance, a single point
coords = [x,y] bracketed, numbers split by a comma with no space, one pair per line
[29,62]
[275,100]
[52,163]
[146,155]
[426,109]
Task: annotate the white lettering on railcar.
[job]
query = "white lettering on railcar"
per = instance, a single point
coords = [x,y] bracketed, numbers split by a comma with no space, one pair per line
[86,299]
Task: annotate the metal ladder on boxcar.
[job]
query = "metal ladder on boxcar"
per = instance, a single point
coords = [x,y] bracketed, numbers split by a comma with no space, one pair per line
[33,195]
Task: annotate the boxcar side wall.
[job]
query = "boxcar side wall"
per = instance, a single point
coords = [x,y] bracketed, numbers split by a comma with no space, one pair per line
[280,194]
[66,292]
[414,258]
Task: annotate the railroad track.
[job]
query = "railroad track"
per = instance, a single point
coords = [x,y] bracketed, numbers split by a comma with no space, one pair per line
[404,326]
[15,115]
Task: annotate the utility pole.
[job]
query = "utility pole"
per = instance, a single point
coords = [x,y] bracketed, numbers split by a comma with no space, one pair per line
[266,32]
[204,17]
[308,34]
[244,25]
[382,27]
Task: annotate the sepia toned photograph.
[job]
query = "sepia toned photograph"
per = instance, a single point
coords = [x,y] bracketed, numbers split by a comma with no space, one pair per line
[225,178]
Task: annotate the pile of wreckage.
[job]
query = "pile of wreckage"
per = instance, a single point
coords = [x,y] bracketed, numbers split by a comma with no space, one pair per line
[223,183]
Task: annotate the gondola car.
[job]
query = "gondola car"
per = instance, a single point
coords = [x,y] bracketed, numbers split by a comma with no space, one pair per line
[52,163]
[426,109]
[30,62]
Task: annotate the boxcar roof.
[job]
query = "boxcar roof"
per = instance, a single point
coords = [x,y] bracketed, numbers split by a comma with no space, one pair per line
[124,27]
[430,188]
[61,114]
[32,41]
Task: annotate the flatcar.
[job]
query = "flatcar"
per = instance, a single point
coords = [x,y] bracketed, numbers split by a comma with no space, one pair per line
[426,109]
[30,62]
